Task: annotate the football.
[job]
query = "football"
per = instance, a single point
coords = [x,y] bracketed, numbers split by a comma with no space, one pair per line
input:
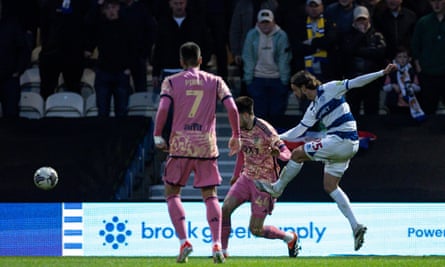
[46,178]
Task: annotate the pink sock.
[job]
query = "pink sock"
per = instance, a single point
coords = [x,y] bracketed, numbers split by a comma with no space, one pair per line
[214,218]
[177,215]
[271,232]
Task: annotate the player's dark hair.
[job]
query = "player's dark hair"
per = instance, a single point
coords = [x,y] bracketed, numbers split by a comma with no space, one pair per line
[190,53]
[305,78]
[244,104]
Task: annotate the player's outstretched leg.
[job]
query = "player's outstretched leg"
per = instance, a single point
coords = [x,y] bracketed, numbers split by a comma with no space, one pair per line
[267,187]
[359,236]
[294,246]
[287,174]
[184,252]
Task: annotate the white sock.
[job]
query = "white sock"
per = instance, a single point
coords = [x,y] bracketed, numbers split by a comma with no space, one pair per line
[289,172]
[288,237]
[344,205]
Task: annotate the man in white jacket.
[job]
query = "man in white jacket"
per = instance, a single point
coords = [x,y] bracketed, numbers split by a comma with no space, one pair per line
[337,146]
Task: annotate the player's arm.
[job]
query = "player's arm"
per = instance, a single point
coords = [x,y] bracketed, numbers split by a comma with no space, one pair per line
[232,111]
[161,119]
[294,134]
[363,80]
[238,167]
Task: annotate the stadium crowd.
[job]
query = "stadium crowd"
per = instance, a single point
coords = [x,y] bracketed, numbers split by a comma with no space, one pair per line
[129,42]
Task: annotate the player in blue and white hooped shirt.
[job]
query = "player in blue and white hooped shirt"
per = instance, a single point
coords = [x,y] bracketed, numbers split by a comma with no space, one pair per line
[335,148]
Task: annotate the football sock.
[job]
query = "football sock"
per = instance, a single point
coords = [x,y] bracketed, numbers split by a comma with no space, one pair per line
[214,218]
[177,215]
[288,237]
[288,173]
[344,205]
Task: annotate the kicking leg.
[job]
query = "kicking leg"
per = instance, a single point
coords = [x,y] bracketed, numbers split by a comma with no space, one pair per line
[288,173]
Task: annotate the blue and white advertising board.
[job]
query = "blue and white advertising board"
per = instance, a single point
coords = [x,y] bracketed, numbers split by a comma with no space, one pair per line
[144,229]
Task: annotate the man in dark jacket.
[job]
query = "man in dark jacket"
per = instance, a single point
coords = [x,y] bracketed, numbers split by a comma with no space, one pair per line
[179,27]
[15,57]
[62,33]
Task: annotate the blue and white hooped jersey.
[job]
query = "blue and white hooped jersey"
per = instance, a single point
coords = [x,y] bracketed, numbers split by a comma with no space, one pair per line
[332,110]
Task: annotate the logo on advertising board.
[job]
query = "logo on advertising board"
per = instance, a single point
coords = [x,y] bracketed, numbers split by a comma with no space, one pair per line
[115,232]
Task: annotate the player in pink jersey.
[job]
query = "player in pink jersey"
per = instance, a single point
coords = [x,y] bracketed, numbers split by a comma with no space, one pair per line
[261,146]
[193,95]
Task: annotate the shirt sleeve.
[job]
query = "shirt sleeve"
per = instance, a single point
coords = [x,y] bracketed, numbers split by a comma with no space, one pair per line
[293,134]
[364,79]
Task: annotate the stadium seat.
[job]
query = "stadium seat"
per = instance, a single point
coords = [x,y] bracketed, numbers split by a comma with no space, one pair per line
[31,75]
[85,89]
[64,104]
[30,80]
[31,105]
[138,105]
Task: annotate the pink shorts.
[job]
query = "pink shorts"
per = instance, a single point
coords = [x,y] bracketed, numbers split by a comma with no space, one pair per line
[177,172]
[261,204]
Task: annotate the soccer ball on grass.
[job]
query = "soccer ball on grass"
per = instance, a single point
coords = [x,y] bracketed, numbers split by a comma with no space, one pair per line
[46,178]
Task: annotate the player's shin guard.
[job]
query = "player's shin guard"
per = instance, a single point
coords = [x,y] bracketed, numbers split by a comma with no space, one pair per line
[287,174]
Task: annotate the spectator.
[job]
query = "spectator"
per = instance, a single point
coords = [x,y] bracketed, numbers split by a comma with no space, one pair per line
[374,6]
[340,15]
[173,30]
[28,17]
[216,21]
[420,7]
[192,145]
[142,26]
[364,52]
[243,19]
[15,56]
[62,32]
[399,85]
[428,42]
[266,56]
[116,49]
[311,39]
[396,24]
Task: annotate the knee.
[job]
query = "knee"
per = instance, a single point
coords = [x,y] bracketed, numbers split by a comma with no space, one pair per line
[329,185]
[226,211]
[256,231]
[328,188]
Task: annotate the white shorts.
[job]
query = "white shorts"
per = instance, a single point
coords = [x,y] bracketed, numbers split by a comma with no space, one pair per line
[333,151]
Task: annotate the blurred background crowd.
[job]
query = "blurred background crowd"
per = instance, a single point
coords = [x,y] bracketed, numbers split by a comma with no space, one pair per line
[131,45]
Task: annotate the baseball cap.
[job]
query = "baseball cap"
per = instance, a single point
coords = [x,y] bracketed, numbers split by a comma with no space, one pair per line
[265,15]
[318,2]
[361,12]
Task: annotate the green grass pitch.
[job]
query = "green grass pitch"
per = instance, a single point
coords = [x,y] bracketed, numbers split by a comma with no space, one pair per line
[353,261]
